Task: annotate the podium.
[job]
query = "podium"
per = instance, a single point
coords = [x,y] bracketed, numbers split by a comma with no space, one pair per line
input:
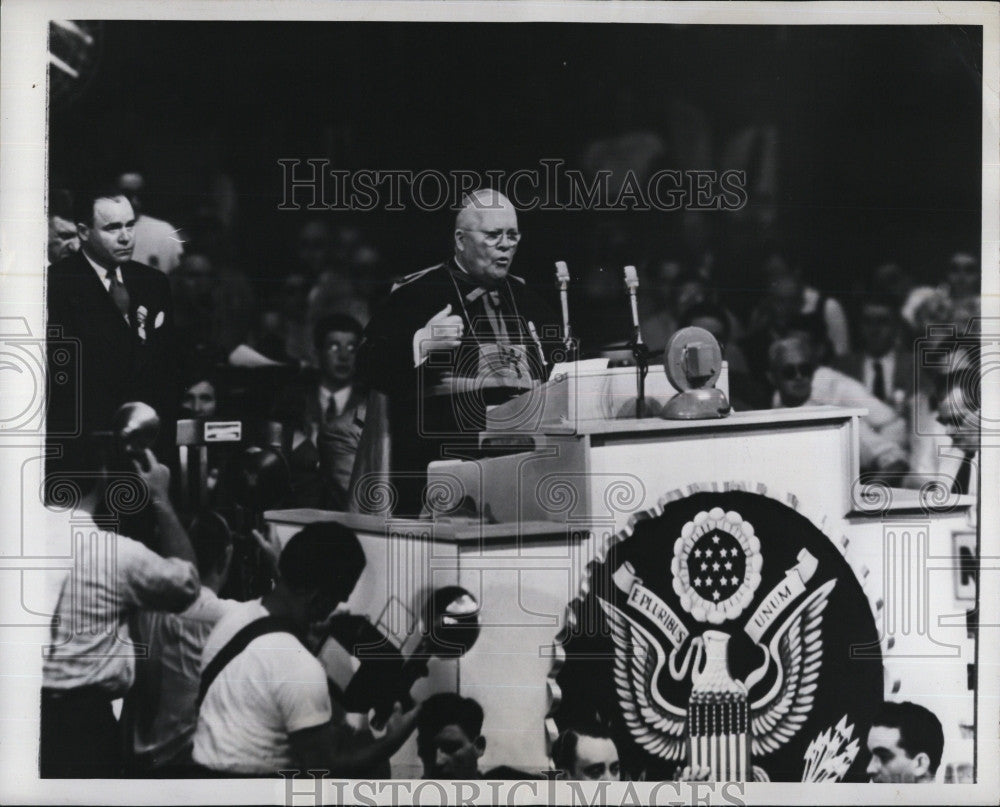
[547,514]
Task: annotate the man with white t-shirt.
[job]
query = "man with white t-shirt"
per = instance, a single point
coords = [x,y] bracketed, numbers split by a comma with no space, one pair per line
[265,701]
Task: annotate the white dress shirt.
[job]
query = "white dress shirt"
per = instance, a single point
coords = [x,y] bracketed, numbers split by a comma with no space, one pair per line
[111,578]
[340,398]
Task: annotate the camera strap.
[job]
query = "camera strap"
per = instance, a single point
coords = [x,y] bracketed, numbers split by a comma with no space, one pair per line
[239,642]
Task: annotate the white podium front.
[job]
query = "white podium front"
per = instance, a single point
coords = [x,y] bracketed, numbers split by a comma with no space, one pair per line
[545,514]
[607,470]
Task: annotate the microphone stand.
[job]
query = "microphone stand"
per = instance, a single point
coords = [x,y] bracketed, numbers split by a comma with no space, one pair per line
[640,352]
[562,280]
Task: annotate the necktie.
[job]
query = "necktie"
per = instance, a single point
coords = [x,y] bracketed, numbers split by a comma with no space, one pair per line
[964,476]
[118,293]
[878,382]
[331,411]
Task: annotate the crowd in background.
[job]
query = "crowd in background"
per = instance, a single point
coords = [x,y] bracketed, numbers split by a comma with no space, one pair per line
[279,350]
[269,307]
[279,360]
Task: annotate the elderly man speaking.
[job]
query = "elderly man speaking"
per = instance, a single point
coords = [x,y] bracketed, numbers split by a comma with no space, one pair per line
[451,341]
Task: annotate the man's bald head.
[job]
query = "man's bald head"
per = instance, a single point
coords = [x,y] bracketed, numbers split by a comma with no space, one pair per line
[486,236]
[473,204]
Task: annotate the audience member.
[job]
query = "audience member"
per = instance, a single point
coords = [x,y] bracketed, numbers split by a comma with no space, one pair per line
[892,282]
[204,399]
[157,242]
[337,429]
[658,302]
[214,306]
[881,363]
[944,441]
[790,305]
[955,300]
[163,703]
[960,417]
[63,237]
[200,398]
[799,381]
[265,702]
[312,408]
[963,279]
[120,314]
[586,754]
[924,307]
[450,742]
[314,247]
[90,661]
[339,445]
[337,293]
[949,454]
[285,332]
[906,743]
[337,392]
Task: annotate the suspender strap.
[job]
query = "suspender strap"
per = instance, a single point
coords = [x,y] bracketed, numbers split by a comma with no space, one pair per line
[239,642]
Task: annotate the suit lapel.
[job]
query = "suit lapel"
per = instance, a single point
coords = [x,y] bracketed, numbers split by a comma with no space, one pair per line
[313,413]
[356,398]
[94,297]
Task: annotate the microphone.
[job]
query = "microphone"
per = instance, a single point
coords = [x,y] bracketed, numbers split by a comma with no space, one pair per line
[632,283]
[562,279]
[639,350]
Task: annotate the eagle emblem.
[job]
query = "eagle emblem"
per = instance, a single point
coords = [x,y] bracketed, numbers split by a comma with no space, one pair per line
[726,722]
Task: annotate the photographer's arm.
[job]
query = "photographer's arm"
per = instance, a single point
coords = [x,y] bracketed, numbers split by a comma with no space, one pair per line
[171,537]
[334,748]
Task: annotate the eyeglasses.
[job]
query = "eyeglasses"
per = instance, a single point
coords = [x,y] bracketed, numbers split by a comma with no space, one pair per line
[792,371]
[335,348]
[492,237]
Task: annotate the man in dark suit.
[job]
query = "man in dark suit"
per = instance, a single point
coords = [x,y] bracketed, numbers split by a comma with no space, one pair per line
[881,363]
[120,314]
[311,410]
[451,341]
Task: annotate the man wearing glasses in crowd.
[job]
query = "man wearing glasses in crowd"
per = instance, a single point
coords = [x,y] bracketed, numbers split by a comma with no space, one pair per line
[451,341]
[799,381]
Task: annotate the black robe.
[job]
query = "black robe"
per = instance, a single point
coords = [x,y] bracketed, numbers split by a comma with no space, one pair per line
[426,422]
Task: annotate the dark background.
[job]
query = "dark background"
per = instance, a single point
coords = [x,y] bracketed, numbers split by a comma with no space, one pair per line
[879,128]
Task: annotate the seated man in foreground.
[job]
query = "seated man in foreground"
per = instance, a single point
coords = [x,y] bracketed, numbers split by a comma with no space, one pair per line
[587,755]
[906,742]
[265,701]
[450,740]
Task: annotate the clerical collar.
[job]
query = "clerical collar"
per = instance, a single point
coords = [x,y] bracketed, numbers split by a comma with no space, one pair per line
[466,280]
